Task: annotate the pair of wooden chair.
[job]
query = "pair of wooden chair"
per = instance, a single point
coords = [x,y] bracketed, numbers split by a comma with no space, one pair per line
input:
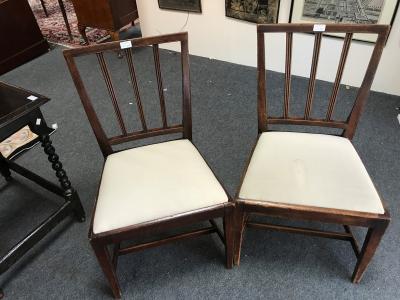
[290,175]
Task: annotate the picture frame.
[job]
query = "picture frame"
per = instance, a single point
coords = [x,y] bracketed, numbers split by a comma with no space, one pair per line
[356,12]
[256,11]
[181,5]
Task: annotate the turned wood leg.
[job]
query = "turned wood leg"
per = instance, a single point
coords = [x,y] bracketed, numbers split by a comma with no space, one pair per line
[372,239]
[44,8]
[82,31]
[239,224]
[4,168]
[229,239]
[69,193]
[104,259]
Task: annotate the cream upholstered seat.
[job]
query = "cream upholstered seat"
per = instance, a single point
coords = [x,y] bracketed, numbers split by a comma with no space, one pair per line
[153,182]
[309,169]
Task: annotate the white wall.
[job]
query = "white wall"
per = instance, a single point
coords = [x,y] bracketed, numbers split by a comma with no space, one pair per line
[213,35]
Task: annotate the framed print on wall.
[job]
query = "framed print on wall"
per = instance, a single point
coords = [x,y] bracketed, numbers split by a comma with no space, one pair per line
[182,5]
[345,11]
[257,11]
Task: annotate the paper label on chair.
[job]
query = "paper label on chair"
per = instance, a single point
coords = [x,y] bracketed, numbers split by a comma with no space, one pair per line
[319,27]
[32,98]
[38,121]
[125,44]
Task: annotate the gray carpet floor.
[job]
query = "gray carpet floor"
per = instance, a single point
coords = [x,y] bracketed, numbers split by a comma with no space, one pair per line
[274,265]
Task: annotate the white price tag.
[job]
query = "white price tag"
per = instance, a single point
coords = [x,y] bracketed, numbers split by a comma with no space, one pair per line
[32,98]
[319,27]
[38,121]
[125,44]
[54,126]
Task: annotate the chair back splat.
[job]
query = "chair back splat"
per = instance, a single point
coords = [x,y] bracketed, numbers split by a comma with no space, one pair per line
[106,142]
[349,125]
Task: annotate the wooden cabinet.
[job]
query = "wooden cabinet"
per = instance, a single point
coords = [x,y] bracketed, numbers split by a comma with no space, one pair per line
[110,15]
[21,39]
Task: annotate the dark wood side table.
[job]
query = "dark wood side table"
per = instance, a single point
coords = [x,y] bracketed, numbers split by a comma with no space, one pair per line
[18,108]
[110,15]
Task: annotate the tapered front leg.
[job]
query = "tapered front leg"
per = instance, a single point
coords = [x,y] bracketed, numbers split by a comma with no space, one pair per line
[104,259]
[69,193]
[371,243]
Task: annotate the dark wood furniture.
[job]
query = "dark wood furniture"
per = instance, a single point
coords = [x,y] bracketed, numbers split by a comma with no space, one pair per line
[22,39]
[294,201]
[110,15]
[132,176]
[17,111]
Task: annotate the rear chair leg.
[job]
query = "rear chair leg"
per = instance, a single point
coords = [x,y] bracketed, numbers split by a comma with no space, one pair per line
[103,256]
[229,239]
[239,224]
[372,239]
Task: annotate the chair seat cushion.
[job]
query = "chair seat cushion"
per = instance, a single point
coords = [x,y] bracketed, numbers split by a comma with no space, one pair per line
[152,182]
[309,169]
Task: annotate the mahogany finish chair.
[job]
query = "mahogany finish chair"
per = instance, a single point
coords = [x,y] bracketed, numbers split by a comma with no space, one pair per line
[154,188]
[307,176]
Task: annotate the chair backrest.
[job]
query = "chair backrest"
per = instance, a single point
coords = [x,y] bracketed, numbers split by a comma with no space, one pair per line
[348,126]
[106,142]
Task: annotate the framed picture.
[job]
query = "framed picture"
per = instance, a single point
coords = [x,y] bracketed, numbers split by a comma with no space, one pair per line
[182,5]
[345,11]
[257,11]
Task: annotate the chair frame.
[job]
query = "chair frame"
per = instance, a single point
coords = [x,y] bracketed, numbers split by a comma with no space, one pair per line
[376,223]
[100,242]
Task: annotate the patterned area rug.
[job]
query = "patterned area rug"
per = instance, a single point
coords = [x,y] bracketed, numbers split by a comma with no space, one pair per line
[54,29]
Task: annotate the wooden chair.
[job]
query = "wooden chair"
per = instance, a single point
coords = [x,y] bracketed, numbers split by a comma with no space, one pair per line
[149,189]
[306,176]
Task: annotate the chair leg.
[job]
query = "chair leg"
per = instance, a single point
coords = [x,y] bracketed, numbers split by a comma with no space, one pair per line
[372,239]
[239,224]
[229,239]
[104,259]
